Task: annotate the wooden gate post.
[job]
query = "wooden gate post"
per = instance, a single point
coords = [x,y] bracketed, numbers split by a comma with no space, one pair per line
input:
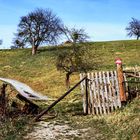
[3,100]
[86,83]
[118,62]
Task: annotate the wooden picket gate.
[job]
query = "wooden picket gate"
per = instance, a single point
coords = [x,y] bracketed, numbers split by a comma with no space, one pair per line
[103,92]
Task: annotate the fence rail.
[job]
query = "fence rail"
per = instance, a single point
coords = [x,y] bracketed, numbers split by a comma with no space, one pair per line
[59,99]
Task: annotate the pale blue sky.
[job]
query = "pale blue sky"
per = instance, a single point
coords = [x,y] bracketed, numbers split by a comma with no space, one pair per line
[103,20]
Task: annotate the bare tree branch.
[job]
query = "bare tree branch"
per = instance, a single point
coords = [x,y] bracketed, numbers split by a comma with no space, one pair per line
[134,28]
[38,27]
[75,35]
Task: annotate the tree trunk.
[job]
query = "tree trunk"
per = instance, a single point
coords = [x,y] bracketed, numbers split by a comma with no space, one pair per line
[34,50]
[137,37]
[68,79]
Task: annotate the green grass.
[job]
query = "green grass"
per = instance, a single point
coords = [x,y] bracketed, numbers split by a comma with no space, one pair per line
[123,124]
[40,73]
[14,128]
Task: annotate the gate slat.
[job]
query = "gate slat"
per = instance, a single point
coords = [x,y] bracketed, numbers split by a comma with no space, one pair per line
[109,91]
[83,92]
[113,89]
[105,88]
[102,93]
[126,85]
[98,92]
[117,89]
[91,94]
[95,95]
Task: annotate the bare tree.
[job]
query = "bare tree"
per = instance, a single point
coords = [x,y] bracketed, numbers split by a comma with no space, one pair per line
[66,62]
[134,28]
[75,59]
[75,35]
[38,27]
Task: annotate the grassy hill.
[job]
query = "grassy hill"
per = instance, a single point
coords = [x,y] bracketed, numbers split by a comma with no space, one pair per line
[40,73]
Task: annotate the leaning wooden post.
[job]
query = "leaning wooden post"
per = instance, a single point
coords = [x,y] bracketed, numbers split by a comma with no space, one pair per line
[58,100]
[118,62]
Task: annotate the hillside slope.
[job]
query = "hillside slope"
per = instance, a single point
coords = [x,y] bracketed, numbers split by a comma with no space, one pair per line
[40,73]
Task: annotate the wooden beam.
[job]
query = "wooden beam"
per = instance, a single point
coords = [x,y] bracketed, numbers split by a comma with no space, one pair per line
[58,100]
[132,75]
[30,107]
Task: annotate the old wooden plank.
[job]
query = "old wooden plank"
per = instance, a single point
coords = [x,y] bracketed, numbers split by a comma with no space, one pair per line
[95,101]
[30,107]
[98,92]
[126,85]
[102,93]
[113,89]
[91,93]
[82,85]
[117,89]
[109,91]
[105,91]
[59,99]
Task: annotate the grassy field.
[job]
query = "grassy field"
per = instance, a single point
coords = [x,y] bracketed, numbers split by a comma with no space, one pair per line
[40,73]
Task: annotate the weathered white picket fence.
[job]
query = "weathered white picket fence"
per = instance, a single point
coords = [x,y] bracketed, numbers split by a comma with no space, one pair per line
[103,92]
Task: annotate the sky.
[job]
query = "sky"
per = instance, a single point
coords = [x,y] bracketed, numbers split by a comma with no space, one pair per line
[103,20]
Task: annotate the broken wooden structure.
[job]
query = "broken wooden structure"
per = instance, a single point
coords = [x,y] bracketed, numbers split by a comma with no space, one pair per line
[25,94]
[103,92]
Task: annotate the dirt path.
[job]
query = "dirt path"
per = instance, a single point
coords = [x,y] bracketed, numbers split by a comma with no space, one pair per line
[56,131]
